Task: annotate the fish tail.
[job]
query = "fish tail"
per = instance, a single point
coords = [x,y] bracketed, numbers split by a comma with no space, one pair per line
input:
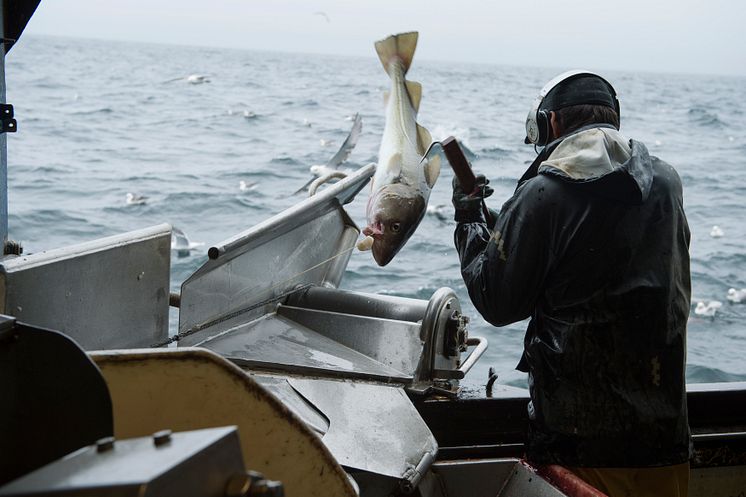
[400,47]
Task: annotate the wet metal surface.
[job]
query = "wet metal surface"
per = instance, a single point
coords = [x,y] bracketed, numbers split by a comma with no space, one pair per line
[193,463]
[106,293]
[308,244]
[277,343]
[281,389]
[394,343]
[372,427]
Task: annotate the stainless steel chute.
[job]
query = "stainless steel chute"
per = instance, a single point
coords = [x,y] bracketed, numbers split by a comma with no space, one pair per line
[344,362]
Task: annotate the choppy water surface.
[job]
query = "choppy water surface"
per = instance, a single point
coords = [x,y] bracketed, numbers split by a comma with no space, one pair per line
[100,119]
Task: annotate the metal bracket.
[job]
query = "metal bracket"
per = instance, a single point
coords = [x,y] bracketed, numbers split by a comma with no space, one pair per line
[7,123]
[456,334]
[7,326]
[414,474]
[11,247]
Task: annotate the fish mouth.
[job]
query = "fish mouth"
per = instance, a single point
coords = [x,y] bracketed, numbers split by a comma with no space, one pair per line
[374,230]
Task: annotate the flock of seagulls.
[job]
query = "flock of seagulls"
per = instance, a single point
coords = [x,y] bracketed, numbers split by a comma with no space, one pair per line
[708,309]
[735,296]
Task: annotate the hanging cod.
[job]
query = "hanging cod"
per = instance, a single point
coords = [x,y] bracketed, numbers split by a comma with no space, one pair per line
[401,185]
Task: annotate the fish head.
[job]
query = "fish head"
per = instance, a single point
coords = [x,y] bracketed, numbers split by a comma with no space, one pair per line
[393,215]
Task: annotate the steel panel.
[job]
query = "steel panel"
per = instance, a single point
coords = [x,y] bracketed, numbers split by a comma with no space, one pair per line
[308,244]
[195,463]
[474,478]
[374,428]
[281,389]
[278,344]
[394,343]
[107,293]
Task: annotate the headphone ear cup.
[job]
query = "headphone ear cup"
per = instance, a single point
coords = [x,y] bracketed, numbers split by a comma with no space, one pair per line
[542,121]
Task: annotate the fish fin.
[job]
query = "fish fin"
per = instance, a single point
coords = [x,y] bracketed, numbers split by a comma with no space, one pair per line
[432,166]
[432,170]
[394,165]
[399,46]
[415,94]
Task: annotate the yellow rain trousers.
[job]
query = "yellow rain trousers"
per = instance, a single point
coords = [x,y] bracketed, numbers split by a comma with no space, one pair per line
[663,481]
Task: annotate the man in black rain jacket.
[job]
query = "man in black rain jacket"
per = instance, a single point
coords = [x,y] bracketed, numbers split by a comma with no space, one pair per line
[593,247]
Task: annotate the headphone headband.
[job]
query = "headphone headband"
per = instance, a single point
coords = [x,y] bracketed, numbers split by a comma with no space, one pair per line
[537,121]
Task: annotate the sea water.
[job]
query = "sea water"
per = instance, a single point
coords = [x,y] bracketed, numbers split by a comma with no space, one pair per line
[99,119]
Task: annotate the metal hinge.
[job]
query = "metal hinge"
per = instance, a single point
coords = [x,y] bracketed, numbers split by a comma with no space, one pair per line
[7,123]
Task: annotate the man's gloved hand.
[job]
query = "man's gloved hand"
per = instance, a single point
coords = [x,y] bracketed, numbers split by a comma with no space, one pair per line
[469,205]
[463,201]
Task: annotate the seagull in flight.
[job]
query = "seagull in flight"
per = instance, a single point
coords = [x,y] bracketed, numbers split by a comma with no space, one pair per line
[322,14]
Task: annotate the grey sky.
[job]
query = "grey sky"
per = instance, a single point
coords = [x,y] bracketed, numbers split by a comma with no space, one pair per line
[685,36]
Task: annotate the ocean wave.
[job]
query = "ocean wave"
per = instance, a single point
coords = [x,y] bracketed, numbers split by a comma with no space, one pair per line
[301,103]
[189,198]
[496,152]
[89,112]
[48,84]
[253,200]
[284,159]
[696,373]
[47,169]
[705,117]
[56,215]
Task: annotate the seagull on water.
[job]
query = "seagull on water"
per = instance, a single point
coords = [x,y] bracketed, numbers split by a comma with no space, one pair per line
[440,212]
[181,244]
[135,199]
[192,79]
[707,309]
[736,296]
[197,79]
[246,186]
[716,232]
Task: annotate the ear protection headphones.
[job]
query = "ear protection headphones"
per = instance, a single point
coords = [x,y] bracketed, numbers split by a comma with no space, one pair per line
[558,94]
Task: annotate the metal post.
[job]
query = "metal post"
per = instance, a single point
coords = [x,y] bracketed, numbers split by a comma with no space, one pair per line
[3,139]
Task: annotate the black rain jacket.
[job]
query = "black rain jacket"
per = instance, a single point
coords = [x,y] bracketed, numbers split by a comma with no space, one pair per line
[601,266]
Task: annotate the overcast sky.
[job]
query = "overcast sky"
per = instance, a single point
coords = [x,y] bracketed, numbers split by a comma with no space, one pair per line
[683,36]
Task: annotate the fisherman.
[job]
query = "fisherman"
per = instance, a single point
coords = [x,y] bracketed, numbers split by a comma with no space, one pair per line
[593,246]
